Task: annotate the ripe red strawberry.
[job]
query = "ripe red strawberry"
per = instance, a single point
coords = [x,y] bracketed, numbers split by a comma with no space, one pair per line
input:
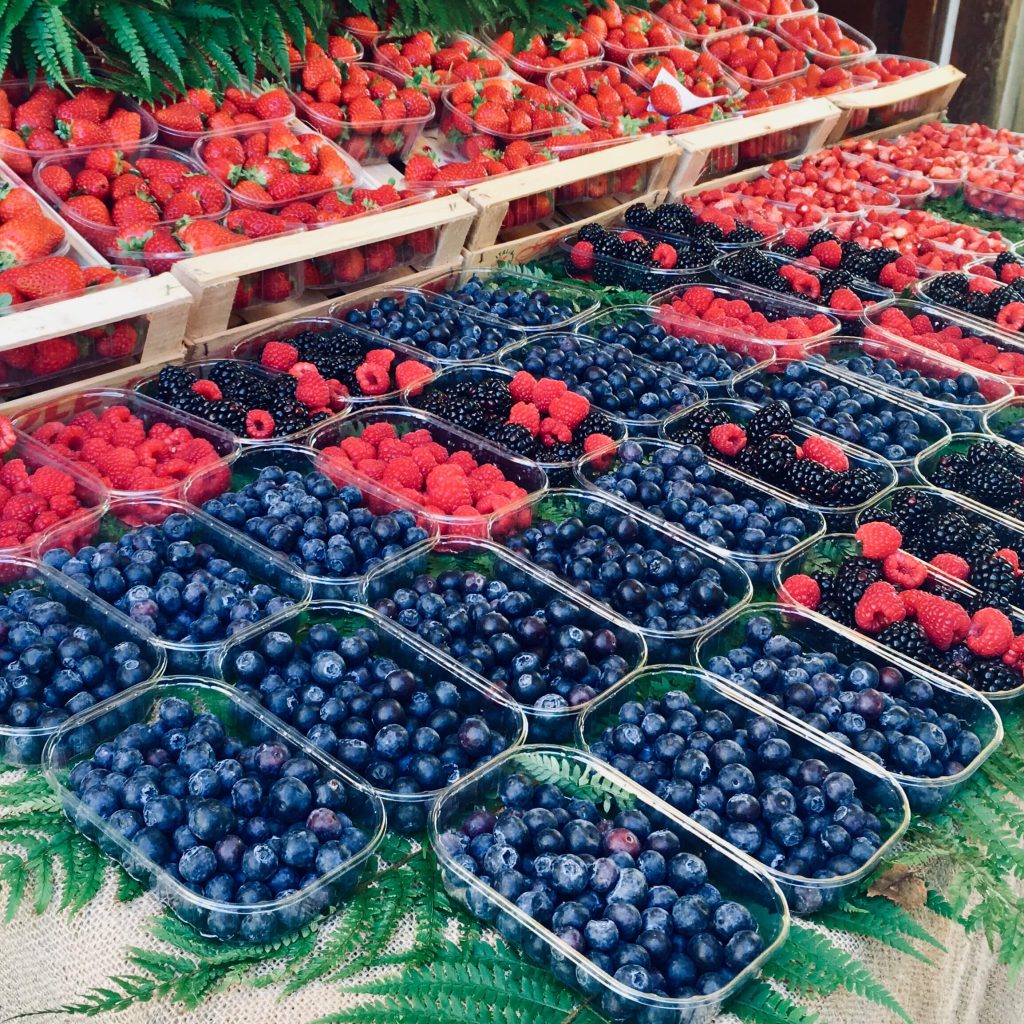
[990,634]
[728,439]
[804,590]
[877,540]
[878,608]
[52,356]
[952,565]
[827,453]
[904,570]
[582,256]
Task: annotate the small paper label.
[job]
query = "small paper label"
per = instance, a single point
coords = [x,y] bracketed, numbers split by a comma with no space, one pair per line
[687,100]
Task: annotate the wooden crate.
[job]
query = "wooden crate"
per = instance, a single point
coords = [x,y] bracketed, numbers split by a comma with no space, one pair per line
[805,126]
[655,154]
[535,246]
[924,95]
[212,279]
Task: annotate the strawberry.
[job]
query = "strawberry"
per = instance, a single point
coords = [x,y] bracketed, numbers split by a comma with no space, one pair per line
[28,238]
[55,275]
[803,590]
[52,356]
[582,256]
[180,117]
[665,100]
[877,540]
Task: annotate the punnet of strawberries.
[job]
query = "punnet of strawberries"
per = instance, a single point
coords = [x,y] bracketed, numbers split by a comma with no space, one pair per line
[49,279]
[701,73]
[773,9]
[441,172]
[815,81]
[546,53]
[699,18]
[199,112]
[623,30]
[343,45]
[431,62]
[46,119]
[918,608]
[825,39]
[999,192]
[26,232]
[755,56]
[891,68]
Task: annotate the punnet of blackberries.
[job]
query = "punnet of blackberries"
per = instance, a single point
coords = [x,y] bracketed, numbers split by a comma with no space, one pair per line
[990,472]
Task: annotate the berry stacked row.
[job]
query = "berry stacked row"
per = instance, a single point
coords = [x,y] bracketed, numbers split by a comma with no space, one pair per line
[987,471]
[877,264]
[633,261]
[517,299]
[705,225]
[981,296]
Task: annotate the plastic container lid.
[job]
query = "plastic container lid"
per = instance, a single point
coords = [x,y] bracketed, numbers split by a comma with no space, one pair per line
[817,634]
[243,718]
[407,812]
[581,774]
[875,787]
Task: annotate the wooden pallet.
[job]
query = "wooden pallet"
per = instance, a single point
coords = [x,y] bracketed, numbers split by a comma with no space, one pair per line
[801,128]
[920,96]
[593,174]
[212,279]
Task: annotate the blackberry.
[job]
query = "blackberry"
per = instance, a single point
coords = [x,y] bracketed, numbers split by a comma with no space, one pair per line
[852,578]
[638,252]
[910,504]
[855,486]
[950,532]
[957,664]
[991,451]
[590,233]
[950,471]
[690,437]
[993,484]
[673,219]
[811,480]
[773,418]
[493,397]
[832,609]
[745,233]
[883,515]
[708,232]
[1005,259]
[819,236]
[832,280]
[608,244]
[906,638]
[995,677]
[701,253]
[560,453]
[993,576]
[466,413]
[640,216]
[787,250]
[229,415]
[771,460]
[173,380]
[435,402]
[516,438]
[595,422]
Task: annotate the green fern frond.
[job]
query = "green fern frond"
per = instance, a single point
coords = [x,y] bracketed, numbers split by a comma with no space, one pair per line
[577,779]
[160,37]
[118,22]
[759,1003]
[881,920]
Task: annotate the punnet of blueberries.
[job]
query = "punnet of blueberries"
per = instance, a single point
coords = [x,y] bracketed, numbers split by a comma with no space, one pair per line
[634,329]
[445,330]
[548,651]
[616,881]
[827,403]
[516,299]
[651,578]
[181,580]
[677,484]
[60,653]
[324,530]
[797,806]
[396,714]
[239,823]
[907,723]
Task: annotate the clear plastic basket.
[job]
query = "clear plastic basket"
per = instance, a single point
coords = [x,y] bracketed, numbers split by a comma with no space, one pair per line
[580,774]
[875,787]
[856,46]
[524,473]
[912,190]
[745,81]
[244,468]
[245,720]
[189,655]
[495,563]
[24,746]
[689,17]
[407,812]
[759,567]
[817,634]
[536,72]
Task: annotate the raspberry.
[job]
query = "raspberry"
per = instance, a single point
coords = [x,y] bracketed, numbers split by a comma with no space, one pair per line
[546,390]
[846,300]
[878,608]
[259,424]
[796,238]
[48,481]
[279,355]
[7,435]
[64,504]
[728,438]
[117,464]
[664,256]
[804,590]
[463,460]
[312,390]
[877,540]
[604,446]
[208,390]
[990,633]
[13,531]
[299,370]
[487,474]
[521,387]
[377,432]
[827,453]
[24,507]
[582,256]
[44,521]
[570,408]
[952,565]
[356,448]
[448,488]
[373,379]
[526,415]
[410,372]
[828,254]
[380,357]
[403,472]
[14,475]
[904,570]
[944,622]
[392,448]
[373,468]
[1009,555]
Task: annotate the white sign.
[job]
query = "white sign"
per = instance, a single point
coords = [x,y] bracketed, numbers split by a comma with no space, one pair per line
[687,100]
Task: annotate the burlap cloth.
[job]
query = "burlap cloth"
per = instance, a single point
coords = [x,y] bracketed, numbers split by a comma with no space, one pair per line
[47,961]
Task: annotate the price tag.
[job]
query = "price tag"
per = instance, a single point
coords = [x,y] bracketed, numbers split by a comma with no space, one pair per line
[687,100]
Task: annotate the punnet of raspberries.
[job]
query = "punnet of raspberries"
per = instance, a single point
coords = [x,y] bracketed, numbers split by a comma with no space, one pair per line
[918,609]
[349,363]
[34,498]
[425,474]
[879,265]
[536,418]
[126,453]
[813,468]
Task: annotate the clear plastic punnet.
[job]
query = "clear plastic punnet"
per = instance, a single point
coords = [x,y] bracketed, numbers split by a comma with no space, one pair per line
[589,507]
[243,468]
[854,46]
[1006,421]
[762,389]
[899,110]
[649,334]
[711,43]
[530,354]
[858,458]
[549,719]
[243,719]
[382,498]
[836,547]
[817,635]
[407,811]
[959,395]
[875,787]
[189,655]
[593,473]
[95,401]
[24,745]
[579,774]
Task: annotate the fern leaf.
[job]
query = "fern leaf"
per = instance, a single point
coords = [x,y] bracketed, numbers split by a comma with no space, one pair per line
[579,779]
[759,1003]
[118,21]
[160,40]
